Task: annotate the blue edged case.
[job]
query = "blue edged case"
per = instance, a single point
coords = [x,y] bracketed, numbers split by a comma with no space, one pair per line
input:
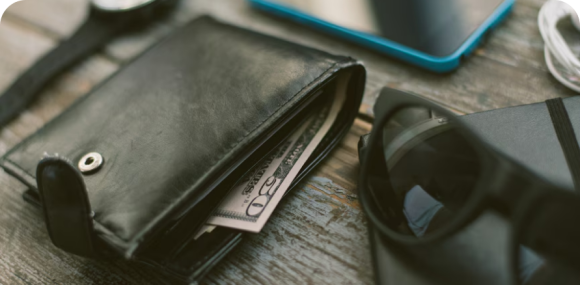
[437,64]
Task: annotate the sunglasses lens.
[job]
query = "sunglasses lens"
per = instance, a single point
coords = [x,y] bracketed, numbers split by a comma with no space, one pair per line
[427,172]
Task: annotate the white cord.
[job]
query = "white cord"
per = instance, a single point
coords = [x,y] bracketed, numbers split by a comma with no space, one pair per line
[556,73]
[576,21]
[566,67]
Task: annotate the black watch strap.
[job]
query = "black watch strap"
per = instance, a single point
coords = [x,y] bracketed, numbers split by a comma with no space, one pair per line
[92,35]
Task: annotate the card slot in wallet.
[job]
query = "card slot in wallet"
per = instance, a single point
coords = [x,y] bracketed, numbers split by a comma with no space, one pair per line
[177,127]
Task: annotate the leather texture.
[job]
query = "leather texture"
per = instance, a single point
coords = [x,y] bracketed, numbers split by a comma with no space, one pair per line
[67,209]
[479,254]
[180,124]
[96,31]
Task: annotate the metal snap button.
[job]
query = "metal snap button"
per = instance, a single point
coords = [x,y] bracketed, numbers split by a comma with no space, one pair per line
[90,162]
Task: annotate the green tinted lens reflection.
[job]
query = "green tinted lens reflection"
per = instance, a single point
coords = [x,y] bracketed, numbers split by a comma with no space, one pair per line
[431,169]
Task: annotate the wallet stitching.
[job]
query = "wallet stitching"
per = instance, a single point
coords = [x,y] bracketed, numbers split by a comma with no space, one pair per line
[260,124]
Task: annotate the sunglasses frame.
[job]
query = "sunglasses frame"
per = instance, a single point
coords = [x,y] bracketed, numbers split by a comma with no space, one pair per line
[530,203]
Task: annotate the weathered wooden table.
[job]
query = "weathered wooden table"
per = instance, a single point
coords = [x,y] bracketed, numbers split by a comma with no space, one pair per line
[318,234]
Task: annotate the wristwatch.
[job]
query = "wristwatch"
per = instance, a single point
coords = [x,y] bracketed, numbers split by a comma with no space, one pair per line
[107,19]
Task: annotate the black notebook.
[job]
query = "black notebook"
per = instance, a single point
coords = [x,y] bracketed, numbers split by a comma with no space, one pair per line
[526,134]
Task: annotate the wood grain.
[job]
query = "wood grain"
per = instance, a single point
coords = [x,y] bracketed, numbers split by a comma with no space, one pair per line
[507,71]
[55,18]
[318,234]
[19,48]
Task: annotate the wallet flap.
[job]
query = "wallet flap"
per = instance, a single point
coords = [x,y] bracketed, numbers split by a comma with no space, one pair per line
[66,206]
[172,123]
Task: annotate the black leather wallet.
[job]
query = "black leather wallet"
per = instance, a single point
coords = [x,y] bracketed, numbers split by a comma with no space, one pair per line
[166,137]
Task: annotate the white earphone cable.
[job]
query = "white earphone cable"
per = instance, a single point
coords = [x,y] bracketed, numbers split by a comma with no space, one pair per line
[566,67]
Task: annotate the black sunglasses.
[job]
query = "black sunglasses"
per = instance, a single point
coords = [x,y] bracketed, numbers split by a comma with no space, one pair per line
[426,177]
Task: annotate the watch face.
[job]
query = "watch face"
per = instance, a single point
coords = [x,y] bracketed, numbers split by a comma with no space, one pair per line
[119,5]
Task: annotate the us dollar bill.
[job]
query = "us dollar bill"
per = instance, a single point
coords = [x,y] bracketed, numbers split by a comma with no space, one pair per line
[252,200]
